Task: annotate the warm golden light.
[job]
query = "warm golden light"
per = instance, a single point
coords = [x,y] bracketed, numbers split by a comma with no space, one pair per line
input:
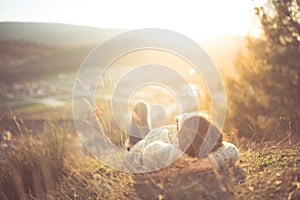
[196,19]
[191,72]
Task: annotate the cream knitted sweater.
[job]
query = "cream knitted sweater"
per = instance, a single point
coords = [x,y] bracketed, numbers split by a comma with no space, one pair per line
[159,150]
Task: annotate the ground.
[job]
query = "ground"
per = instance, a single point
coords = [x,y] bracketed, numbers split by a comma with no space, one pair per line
[259,174]
[44,164]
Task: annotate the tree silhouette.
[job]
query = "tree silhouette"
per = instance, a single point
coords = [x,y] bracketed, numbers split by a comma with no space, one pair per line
[264,94]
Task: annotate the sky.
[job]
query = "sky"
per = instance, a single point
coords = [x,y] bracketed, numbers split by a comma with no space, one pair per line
[194,18]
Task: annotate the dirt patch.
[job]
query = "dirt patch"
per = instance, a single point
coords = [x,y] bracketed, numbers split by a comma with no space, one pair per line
[185,179]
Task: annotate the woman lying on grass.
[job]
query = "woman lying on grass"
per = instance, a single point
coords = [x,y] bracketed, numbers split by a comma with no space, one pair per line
[162,146]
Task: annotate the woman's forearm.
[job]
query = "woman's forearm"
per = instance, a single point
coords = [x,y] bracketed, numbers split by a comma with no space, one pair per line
[224,156]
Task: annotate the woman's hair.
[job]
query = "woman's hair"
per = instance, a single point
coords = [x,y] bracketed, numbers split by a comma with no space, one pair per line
[140,113]
[197,127]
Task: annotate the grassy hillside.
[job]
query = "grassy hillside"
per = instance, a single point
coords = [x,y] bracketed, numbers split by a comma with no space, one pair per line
[51,165]
[220,48]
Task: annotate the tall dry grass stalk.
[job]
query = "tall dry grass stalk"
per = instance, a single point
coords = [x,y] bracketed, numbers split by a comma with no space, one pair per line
[33,162]
[108,124]
[51,164]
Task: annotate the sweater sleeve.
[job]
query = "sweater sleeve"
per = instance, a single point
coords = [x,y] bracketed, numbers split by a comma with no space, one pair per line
[224,156]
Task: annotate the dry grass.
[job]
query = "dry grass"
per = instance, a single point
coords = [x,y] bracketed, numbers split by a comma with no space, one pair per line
[270,174]
[50,164]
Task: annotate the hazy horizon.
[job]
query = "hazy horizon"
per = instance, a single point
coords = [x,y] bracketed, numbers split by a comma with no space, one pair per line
[197,20]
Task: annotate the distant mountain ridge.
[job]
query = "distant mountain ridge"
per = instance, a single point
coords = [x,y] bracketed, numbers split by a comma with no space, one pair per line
[30,51]
[54,34]
[26,61]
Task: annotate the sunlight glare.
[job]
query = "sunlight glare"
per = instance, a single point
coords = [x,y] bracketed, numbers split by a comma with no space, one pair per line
[191,71]
[195,19]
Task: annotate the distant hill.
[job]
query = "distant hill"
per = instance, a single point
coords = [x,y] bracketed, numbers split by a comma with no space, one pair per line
[30,51]
[54,34]
[23,61]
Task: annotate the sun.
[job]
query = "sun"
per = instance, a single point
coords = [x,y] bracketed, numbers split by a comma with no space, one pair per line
[191,71]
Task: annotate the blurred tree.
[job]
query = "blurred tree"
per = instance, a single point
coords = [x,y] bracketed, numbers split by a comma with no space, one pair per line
[264,94]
